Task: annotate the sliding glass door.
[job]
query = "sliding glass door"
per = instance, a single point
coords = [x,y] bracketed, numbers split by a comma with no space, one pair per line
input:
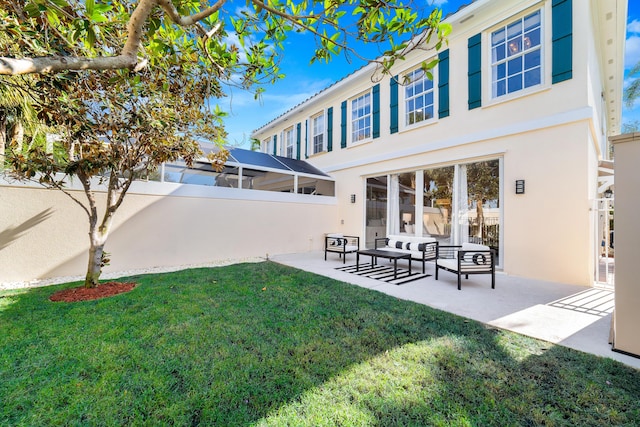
[455,204]
[478,203]
[376,216]
[437,210]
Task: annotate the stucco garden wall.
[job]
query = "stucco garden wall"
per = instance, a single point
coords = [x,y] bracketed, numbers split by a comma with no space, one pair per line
[43,233]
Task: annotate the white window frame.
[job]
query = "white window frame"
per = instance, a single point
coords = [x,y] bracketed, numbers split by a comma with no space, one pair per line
[318,131]
[518,51]
[404,86]
[289,143]
[358,130]
[267,145]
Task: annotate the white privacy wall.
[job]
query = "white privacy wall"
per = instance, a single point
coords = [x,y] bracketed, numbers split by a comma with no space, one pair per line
[44,234]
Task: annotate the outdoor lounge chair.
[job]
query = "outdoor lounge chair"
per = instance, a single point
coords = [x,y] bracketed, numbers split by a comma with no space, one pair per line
[469,258]
[341,244]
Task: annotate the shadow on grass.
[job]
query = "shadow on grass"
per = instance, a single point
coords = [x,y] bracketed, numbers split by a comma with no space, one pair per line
[271,345]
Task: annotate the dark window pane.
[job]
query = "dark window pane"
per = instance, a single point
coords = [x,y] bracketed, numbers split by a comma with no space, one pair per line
[429,98]
[532,39]
[532,60]
[532,77]
[515,66]
[498,53]
[515,83]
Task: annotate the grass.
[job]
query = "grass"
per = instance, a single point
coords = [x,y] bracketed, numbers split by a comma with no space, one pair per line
[268,345]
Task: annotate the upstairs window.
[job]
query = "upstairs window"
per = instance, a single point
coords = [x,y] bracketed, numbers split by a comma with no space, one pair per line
[289,143]
[317,133]
[267,145]
[516,55]
[418,94]
[361,118]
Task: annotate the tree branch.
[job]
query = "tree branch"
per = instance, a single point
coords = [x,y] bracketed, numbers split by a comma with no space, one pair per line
[52,64]
[92,211]
[127,59]
[72,197]
[186,21]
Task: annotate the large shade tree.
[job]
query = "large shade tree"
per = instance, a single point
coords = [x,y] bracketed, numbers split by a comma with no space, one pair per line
[113,130]
[128,83]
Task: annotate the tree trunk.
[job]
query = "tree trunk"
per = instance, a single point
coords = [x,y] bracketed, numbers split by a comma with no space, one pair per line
[94,269]
[480,218]
[97,238]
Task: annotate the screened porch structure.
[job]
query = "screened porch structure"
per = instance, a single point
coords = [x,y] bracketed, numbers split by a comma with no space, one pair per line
[251,170]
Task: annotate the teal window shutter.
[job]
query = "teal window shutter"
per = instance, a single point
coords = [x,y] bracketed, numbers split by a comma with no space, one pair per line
[443,84]
[475,71]
[306,139]
[561,40]
[298,136]
[343,124]
[376,111]
[275,144]
[330,129]
[393,104]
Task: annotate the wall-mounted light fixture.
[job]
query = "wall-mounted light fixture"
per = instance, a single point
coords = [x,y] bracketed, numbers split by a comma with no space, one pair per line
[608,193]
[353,198]
[520,186]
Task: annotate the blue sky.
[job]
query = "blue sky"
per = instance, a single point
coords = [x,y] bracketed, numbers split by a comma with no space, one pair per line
[632,55]
[303,80]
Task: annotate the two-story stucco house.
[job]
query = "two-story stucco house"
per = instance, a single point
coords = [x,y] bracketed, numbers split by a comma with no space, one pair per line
[502,147]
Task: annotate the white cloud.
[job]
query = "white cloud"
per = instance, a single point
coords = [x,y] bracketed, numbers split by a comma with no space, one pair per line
[632,52]
[242,10]
[438,3]
[633,27]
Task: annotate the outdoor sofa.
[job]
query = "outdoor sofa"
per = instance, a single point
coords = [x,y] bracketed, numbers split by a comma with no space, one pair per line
[422,249]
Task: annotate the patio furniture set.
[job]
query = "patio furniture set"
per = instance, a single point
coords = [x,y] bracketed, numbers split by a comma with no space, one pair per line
[461,260]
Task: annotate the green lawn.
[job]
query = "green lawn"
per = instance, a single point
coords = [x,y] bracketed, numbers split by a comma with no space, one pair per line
[264,344]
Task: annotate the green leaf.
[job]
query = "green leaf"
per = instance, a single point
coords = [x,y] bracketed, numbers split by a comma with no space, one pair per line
[98,17]
[52,17]
[32,10]
[89,5]
[103,8]
[91,38]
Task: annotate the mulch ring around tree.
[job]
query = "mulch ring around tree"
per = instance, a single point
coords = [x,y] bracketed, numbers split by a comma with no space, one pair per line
[81,293]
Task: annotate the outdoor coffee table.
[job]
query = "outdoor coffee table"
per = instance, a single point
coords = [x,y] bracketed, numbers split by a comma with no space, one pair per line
[378,253]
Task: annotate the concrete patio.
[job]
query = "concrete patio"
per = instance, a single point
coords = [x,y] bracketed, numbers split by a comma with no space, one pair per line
[573,316]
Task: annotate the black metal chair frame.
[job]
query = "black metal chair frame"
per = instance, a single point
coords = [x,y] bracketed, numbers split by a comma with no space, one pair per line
[465,268]
[340,246]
